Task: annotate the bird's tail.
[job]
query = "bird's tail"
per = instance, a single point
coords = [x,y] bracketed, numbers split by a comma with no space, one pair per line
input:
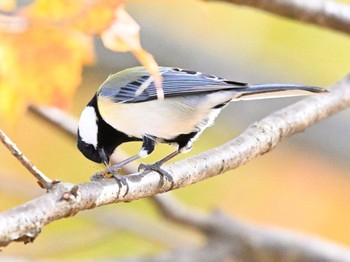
[277,90]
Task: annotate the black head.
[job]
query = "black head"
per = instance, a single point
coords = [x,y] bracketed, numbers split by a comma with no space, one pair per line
[96,139]
[89,151]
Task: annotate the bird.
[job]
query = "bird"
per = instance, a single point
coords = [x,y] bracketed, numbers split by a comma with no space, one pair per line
[123,110]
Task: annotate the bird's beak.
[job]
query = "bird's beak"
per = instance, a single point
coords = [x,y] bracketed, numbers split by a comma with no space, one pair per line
[105,159]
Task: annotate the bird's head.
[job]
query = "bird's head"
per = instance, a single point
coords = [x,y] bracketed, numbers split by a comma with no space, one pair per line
[96,139]
[88,130]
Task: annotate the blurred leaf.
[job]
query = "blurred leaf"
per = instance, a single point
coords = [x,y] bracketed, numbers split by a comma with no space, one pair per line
[53,10]
[90,17]
[45,44]
[7,5]
[40,65]
[98,16]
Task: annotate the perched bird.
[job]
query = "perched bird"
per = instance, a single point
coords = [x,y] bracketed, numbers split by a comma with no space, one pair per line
[192,100]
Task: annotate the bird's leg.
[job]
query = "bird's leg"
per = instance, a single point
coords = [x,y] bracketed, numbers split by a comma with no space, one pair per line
[146,149]
[124,162]
[110,172]
[167,158]
[157,167]
[113,170]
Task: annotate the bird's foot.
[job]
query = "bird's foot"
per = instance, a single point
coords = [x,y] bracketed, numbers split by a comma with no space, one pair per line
[112,173]
[156,168]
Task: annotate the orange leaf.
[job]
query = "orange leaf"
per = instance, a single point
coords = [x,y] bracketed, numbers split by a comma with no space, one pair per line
[41,65]
[88,16]
[44,46]
[52,10]
[97,16]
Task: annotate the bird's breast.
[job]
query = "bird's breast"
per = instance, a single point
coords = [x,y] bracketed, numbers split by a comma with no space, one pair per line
[164,119]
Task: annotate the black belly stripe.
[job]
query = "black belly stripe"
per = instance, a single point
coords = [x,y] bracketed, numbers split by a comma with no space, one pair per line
[182,140]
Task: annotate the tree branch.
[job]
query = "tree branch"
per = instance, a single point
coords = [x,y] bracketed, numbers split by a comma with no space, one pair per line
[324,13]
[43,180]
[233,240]
[58,118]
[23,223]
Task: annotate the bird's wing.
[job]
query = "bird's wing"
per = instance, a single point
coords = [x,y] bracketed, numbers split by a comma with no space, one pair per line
[176,82]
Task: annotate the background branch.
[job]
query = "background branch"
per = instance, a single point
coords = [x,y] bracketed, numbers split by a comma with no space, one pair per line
[231,239]
[23,223]
[329,14]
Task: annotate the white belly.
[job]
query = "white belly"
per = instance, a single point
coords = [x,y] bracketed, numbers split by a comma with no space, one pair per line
[163,119]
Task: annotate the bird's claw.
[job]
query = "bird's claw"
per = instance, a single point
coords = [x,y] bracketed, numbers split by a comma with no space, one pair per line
[156,168]
[112,173]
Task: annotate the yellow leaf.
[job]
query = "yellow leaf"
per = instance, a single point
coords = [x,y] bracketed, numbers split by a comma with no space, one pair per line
[11,103]
[41,65]
[49,10]
[45,44]
[7,5]
[97,16]
[88,16]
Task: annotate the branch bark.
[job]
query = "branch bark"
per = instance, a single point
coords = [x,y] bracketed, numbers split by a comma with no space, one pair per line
[324,13]
[24,223]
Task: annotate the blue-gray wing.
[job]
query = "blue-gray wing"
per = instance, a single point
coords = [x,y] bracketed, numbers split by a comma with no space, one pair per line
[122,86]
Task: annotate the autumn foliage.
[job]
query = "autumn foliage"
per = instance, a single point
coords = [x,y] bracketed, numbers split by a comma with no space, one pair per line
[44,46]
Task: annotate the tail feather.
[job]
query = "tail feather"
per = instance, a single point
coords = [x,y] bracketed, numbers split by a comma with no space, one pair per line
[277,90]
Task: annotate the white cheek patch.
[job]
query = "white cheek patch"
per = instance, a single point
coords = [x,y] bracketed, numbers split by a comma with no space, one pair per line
[88,126]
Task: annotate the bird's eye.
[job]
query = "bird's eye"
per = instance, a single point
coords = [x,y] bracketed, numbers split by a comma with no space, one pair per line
[88,146]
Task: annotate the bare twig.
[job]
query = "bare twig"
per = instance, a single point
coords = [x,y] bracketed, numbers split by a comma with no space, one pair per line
[43,180]
[324,13]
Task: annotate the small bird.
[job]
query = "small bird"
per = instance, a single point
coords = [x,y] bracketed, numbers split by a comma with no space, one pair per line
[192,100]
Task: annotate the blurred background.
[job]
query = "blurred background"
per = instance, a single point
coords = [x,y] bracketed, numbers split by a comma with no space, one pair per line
[303,185]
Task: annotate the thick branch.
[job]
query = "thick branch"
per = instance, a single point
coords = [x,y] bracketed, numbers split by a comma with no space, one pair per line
[330,14]
[24,222]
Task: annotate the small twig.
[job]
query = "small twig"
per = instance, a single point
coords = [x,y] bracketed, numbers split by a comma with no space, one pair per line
[43,180]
